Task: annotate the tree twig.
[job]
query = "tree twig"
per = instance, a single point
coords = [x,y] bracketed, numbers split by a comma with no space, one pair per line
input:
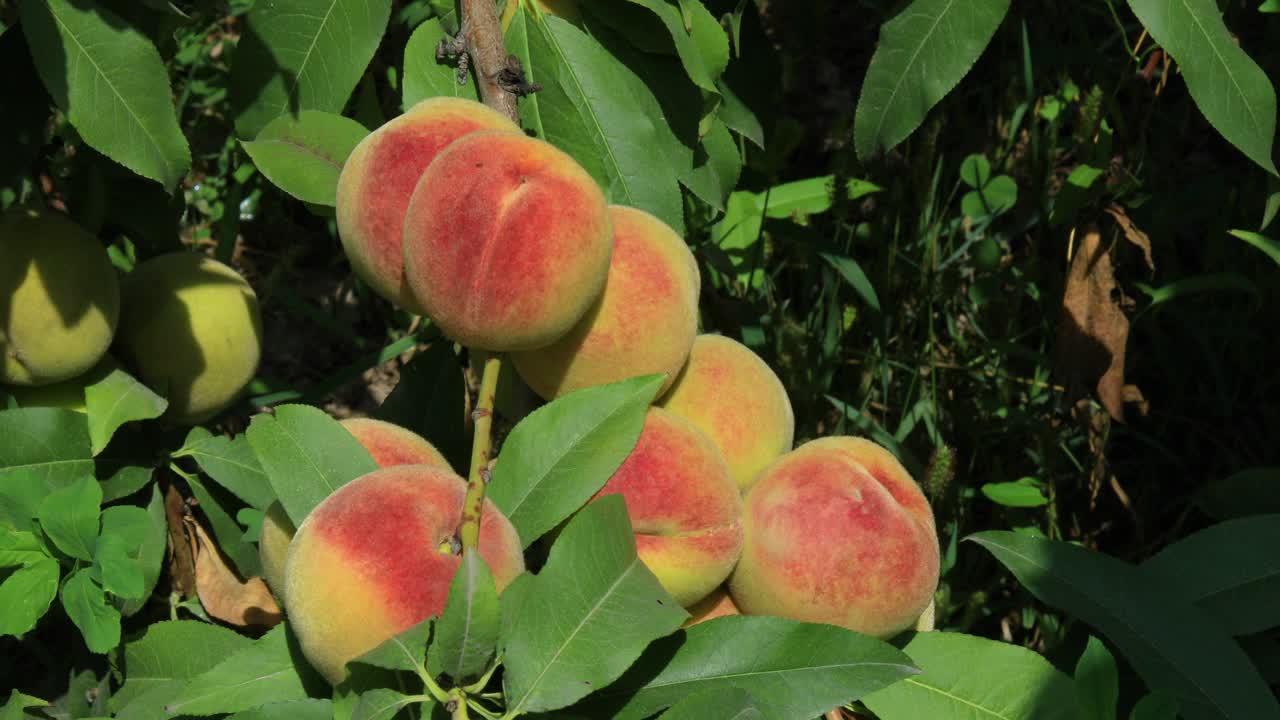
[481,449]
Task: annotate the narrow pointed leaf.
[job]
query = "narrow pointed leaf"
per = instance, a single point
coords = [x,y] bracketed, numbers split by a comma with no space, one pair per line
[792,669]
[1176,647]
[587,616]
[467,632]
[1241,593]
[923,53]
[265,672]
[302,55]
[383,704]
[405,651]
[1097,681]
[304,155]
[232,464]
[306,455]
[728,703]
[110,81]
[970,678]
[1234,94]
[564,452]
[1268,246]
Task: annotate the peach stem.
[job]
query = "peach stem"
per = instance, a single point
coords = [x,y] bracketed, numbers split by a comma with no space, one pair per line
[481,30]
[481,447]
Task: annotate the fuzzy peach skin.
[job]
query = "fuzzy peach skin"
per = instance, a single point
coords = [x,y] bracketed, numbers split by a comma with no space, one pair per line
[684,508]
[375,558]
[506,242]
[837,532]
[717,604]
[733,396]
[645,321]
[388,444]
[379,176]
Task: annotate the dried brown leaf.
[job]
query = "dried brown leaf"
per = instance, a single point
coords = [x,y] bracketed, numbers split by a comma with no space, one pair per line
[222,593]
[182,551]
[1132,233]
[1093,330]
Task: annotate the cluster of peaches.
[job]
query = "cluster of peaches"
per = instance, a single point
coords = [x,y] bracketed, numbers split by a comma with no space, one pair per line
[509,246]
[186,324]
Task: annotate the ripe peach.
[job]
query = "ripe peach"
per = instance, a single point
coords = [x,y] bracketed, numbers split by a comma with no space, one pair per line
[717,604]
[838,532]
[729,393]
[684,507]
[645,321]
[59,298]
[388,444]
[376,558]
[506,242]
[191,327]
[379,176]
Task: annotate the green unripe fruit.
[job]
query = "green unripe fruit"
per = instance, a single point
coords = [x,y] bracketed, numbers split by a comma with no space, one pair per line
[192,329]
[59,299]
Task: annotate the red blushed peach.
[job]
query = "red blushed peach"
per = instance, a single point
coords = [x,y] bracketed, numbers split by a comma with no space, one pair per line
[837,532]
[684,508]
[506,242]
[376,558]
[389,444]
[717,604]
[644,322]
[729,393]
[379,176]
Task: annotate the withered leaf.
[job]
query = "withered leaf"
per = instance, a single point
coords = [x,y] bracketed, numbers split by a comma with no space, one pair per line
[222,593]
[1093,330]
[1132,233]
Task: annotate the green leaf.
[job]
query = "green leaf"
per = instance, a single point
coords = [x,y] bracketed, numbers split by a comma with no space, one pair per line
[405,651]
[1255,491]
[739,117]
[125,482]
[87,606]
[1269,6]
[963,676]
[1234,94]
[1097,683]
[383,704]
[1272,206]
[995,197]
[727,703]
[18,702]
[232,464]
[599,112]
[564,452]
[19,548]
[114,400]
[310,709]
[975,171]
[577,625]
[265,672]
[302,55]
[1241,594]
[1023,493]
[1262,242]
[793,669]
[430,399]
[923,53]
[1156,706]
[852,273]
[146,534]
[50,445]
[110,81]
[423,76]
[704,50]
[716,166]
[1081,188]
[121,574]
[70,517]
[1198,285]
[1174,646]
[306,455]
[168,654]
[26,594]
[304,155]
[466,634]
